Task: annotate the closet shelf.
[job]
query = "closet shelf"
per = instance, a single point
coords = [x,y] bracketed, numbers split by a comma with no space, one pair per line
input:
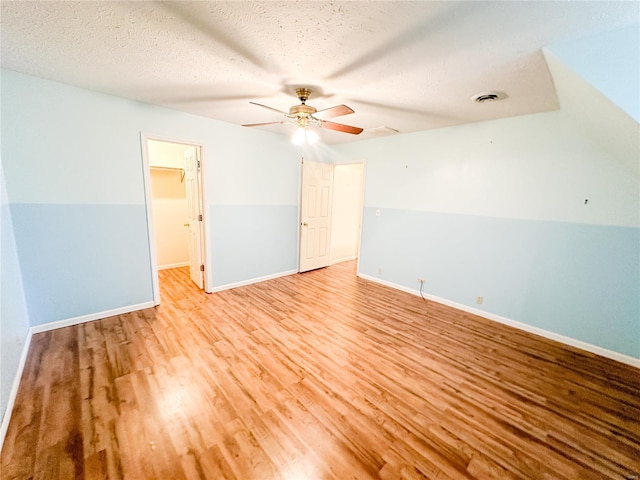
[171,169]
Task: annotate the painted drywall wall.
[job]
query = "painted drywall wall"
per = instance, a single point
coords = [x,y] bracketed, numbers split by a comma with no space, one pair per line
[14,321]
[347,211]
[537,214]
[74,175]
[254,214]
[610,61]
[166,154]
[264,242]
[169,199]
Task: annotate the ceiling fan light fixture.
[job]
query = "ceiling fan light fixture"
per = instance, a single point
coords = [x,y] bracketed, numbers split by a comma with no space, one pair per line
[303,135]
[312,137]
[299,136]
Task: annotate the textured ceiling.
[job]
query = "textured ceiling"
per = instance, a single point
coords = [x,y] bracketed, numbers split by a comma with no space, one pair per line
[407,65]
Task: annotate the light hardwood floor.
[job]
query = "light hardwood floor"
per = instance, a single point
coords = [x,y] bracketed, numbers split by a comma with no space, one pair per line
[319,375]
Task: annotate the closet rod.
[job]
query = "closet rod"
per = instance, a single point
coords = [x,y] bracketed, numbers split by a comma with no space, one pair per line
[166,168]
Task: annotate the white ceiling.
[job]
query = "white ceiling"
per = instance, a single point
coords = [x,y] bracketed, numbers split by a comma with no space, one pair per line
[407,65]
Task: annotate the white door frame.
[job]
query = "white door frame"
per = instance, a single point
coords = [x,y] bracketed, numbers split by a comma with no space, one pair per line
[146,171]
[300,196]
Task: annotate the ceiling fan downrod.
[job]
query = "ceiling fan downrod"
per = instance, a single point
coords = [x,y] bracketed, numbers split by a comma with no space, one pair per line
[303,109]
[303,94]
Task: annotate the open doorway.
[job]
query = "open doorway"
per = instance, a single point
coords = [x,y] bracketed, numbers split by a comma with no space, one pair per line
[346,218]
[331,203]
[174,207]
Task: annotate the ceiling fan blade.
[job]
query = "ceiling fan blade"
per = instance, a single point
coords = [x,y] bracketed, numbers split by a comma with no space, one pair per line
[262,124]
[340,127]
[270,108]
[336,111]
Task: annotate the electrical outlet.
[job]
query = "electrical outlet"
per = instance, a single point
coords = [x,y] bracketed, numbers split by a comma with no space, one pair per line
[420,280]
[479,300]
[379,271]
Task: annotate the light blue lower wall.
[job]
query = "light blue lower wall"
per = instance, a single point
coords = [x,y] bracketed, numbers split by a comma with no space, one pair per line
[252,241]
[577,280]
[81,259]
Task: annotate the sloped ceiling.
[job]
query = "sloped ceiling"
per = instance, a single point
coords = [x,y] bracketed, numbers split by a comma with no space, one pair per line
[406,65]
[602,121]
[609,61]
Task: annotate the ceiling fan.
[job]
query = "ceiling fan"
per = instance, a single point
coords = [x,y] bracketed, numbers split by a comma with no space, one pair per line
[304,116]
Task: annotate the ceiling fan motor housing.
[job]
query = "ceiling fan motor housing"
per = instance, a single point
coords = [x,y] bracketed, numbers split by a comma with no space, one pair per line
[302,110]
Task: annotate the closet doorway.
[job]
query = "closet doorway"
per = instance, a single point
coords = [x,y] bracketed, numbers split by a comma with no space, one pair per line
[175,207]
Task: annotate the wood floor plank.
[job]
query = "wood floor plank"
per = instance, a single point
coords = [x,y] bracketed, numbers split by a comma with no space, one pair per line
[320,375]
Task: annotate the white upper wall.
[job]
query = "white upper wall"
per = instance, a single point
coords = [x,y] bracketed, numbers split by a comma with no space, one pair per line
[265,168]
[539,167]
[67,145]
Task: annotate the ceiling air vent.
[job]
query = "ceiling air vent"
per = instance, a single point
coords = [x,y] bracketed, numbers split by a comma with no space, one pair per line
[380,131]
[488,97]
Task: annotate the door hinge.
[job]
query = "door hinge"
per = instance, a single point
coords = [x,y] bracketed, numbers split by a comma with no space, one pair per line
[202,268]
[200,217]
[198,164]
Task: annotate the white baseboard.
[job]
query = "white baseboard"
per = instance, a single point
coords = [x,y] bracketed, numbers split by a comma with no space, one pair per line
[620,357]
[251,281]
[173,265]
[45,327]
[6,417]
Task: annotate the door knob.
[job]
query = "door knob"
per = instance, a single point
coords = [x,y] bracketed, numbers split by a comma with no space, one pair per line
[186,224]
[305,224]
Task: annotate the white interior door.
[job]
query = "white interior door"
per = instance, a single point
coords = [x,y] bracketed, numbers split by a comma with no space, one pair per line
[194,215]
[315,215]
